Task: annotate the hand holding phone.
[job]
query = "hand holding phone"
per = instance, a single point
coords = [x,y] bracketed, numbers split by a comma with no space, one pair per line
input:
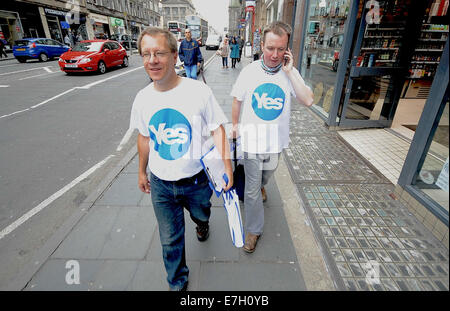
[288,60]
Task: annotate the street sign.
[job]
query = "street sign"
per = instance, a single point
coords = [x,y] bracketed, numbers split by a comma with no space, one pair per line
[250,3]
[250,9]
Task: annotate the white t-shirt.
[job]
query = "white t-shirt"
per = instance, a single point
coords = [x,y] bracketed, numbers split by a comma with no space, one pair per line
[178,123]
[266,108]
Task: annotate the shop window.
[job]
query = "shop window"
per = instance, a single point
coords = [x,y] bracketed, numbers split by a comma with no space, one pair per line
[432,177]
[324,38]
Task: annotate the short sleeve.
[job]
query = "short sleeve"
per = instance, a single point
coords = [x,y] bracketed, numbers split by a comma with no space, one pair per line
[239,88]
[136,118]
[213,113]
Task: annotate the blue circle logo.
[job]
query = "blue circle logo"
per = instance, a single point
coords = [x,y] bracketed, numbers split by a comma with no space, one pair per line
[171,132]
[268,101]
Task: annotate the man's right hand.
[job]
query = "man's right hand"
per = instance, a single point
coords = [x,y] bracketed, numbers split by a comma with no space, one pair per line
[144,183]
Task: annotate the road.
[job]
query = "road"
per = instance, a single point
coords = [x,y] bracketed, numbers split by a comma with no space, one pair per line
[53,129]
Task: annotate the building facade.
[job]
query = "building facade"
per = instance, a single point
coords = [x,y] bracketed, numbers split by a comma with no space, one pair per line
[85,19]
[176,10]
[236,17]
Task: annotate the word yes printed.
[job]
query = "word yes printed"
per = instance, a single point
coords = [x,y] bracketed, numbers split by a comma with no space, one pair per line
[169,135]
[267,102]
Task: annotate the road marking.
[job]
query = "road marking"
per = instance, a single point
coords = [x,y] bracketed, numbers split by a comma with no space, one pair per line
[40,104]
[85,87]
[43,74]
[4,85]
[50,99]
[47,69]
[9,65]
[52,198]
[125,139]
[25,70]
[88,86]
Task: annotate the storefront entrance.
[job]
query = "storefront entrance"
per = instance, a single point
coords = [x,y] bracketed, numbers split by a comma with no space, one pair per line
[371,63]
[378,67]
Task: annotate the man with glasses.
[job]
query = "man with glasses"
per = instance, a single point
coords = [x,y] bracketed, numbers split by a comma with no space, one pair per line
[264,90]
[171,115]
[190,55]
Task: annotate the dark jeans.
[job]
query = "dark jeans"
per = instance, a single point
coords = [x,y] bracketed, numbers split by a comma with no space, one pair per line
[169,198]
[2,52]
[233,62]
[224,61]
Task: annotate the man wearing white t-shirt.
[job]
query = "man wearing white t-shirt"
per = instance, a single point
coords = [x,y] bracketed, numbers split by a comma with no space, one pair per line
[174,116]
[262,91]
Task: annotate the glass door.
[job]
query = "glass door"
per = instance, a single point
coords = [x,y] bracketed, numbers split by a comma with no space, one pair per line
[378,65]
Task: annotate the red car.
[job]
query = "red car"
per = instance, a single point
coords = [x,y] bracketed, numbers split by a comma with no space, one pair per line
[93,55]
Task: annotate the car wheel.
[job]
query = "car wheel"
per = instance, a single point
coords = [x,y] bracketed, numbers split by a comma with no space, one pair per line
[22,60]
[101,67]
[125,62]
[43,57]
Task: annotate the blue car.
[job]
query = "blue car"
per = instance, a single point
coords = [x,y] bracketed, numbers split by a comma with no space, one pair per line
[38,48]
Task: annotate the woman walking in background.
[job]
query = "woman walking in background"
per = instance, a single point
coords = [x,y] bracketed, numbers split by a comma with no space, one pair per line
[234,55]
[223,51]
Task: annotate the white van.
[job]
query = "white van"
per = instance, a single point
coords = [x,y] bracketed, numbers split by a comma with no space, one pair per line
[213,42]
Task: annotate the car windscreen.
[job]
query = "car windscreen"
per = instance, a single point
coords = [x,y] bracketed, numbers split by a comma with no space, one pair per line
[87,47]
[21,42]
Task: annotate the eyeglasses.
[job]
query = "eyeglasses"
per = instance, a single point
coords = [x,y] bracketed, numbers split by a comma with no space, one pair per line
[157,55]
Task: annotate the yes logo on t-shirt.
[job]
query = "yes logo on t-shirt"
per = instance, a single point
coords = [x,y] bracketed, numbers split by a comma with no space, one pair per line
[171,133]
[268,101]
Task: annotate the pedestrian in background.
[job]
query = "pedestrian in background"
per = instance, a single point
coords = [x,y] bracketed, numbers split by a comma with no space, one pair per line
[263,90]
[190,55]
[234,55]
[256,48]
[240,41]
[67,40]
[224,50]
[2,47]
[171,115]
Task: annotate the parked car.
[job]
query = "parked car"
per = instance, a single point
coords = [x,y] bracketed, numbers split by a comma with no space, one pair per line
[38,48]
[213,42]
[123,40]
[93,55]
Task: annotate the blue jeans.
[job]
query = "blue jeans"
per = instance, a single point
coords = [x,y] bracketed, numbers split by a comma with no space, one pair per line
[169,198]
[191,71]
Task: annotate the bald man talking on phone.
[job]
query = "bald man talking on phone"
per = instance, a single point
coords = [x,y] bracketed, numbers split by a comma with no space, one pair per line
[263,92]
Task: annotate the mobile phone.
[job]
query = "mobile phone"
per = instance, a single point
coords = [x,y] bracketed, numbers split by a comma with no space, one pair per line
[286,58]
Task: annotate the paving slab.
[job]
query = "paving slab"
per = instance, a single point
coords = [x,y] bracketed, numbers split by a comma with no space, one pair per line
[110,233]
[319,158]
[250,277]
[123,192]
[362,229]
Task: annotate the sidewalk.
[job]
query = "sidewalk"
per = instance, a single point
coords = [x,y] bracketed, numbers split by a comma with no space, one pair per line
[328,213]
[116,242]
